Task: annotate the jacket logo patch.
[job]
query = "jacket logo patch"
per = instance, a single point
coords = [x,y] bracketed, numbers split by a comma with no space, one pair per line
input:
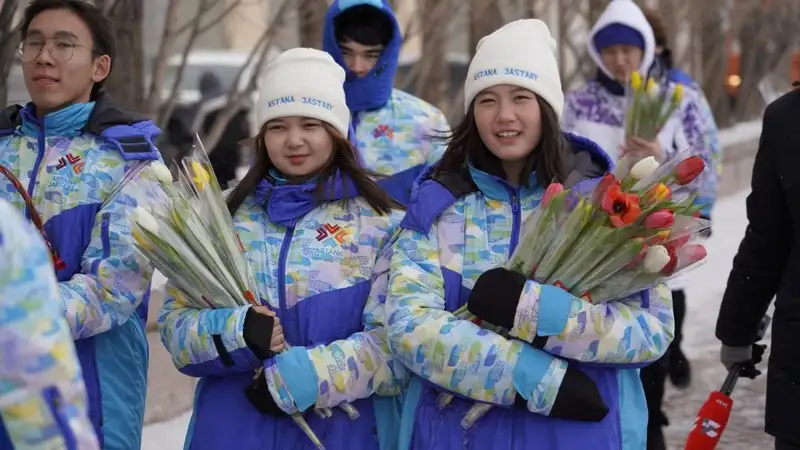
[74,161]
[332,231]
[383,130]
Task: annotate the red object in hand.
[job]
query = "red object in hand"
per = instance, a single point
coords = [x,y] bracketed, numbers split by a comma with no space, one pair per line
[710,422]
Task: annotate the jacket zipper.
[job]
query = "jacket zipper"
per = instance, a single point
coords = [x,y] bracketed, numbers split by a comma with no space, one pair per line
[289,329]
[516,219]
[35,172]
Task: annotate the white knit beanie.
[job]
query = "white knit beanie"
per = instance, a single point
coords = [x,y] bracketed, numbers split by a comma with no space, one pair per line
[521,53]
[304,82]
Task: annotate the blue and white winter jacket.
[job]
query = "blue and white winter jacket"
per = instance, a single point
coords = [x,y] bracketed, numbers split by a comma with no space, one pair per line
[457,227]
[323,268]
[72,161]
[42,395]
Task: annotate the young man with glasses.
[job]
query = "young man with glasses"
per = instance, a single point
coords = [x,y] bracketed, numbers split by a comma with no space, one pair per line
[396,134]
[70,149]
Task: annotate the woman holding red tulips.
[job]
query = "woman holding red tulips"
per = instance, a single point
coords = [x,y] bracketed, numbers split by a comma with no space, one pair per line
[572,382]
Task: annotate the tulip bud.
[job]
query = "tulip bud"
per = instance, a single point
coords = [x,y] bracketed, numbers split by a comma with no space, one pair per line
[659,220]
[144,219]
[636,81]
[161,173]
[652,88]
[677,94]
[657,193]
[689,169]
[644,168]
[656,258]
[552,190]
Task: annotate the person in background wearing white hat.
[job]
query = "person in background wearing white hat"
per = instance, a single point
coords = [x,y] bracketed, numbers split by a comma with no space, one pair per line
[463,222]
[396,134]
[316,231]
[43,402]
[621,42]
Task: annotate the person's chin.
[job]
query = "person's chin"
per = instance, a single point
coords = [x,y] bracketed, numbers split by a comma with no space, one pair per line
[47,101]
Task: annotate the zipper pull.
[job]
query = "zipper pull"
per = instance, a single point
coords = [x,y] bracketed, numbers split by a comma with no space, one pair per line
[514,202]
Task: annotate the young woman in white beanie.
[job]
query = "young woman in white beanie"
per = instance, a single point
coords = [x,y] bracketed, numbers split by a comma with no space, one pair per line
[316,231]
[574,385]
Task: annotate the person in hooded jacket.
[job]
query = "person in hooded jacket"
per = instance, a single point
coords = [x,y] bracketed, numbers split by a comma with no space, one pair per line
[78,156]
[621,42]
[316,230]
[394,132]
[42,395]
[567,378]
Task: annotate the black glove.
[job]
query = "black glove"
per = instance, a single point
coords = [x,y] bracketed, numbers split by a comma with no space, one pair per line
[746,357]
[495,296]
[258,333]
[578,399]
[259,396]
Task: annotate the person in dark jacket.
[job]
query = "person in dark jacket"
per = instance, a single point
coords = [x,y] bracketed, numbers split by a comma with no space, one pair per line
[768,265]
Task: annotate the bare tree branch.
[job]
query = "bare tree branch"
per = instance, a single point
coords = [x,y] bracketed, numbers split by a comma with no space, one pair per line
[166,111]
[237,97]
[153,94]
[213,22]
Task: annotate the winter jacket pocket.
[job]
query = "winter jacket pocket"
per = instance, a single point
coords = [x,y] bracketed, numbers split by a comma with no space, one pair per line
[332,315]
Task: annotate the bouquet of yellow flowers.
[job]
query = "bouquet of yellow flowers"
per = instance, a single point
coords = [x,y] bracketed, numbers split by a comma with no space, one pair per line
[649,106]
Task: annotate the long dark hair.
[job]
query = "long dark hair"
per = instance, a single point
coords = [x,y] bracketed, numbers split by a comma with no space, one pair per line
[343,159]
[547,159]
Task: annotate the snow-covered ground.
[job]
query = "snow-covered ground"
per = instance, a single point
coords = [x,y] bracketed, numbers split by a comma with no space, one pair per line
[706,286]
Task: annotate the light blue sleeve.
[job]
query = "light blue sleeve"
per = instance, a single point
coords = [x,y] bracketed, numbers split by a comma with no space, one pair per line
[43,401]
[204,342]
[630,332]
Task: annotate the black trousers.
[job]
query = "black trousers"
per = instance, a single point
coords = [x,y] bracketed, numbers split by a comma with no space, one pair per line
[654,376]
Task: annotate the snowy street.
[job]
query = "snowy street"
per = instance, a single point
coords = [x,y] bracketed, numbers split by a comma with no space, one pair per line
[745,430]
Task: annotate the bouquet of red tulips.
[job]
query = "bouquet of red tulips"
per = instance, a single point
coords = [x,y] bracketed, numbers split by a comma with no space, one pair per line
[606,241]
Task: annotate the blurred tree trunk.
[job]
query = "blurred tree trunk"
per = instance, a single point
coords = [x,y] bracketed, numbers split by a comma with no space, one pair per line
[126,83]
[432,83]
[484,17]
[714,56]
[9,42]
[312,17]
[596,7]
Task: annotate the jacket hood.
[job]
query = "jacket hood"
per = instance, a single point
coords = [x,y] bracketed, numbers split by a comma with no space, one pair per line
[624,12]
[375,89]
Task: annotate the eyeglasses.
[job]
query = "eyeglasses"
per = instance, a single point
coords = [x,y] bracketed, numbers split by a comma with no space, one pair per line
[61,50]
